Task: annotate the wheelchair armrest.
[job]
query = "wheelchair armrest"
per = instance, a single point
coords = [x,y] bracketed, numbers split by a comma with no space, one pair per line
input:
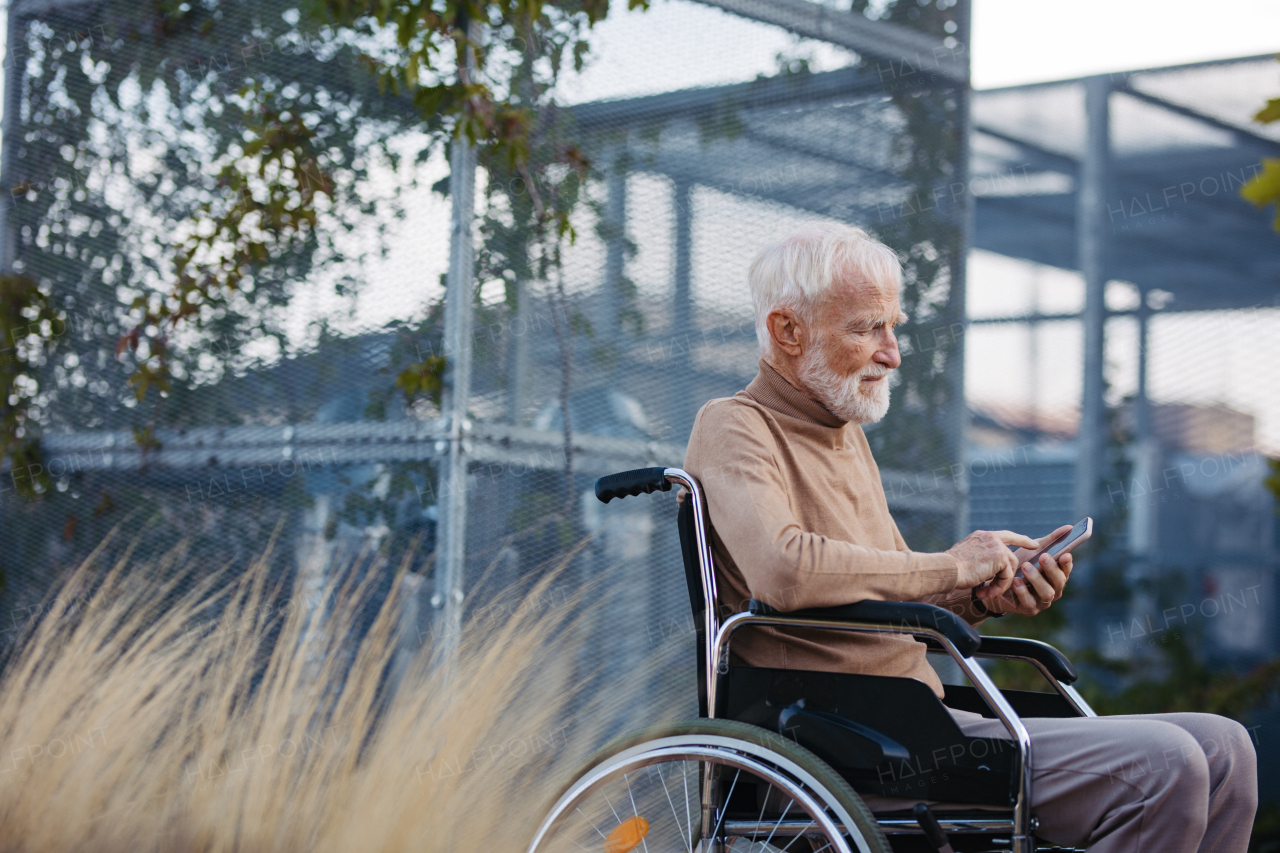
[905,616]
[1055,662]
[1058,664]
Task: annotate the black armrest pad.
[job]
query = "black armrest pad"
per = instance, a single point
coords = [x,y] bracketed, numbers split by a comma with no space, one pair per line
[903,615]
[1056,662]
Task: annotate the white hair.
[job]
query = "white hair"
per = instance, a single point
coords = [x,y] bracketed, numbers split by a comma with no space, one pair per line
[798,271]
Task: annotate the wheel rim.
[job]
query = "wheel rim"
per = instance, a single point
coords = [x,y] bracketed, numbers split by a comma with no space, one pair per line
[648,798]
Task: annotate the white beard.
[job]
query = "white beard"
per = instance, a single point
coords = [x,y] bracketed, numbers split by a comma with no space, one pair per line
[847,397]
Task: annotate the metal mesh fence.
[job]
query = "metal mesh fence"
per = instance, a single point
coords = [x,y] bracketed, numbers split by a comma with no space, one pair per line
[299,412]
[284,418]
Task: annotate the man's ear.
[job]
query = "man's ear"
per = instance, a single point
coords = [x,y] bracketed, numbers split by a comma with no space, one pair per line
[786,331]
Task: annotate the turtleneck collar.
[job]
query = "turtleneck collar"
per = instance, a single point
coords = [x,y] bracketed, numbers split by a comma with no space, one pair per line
[772,390]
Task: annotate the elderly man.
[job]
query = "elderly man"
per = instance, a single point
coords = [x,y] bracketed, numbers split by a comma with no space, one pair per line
[799,519]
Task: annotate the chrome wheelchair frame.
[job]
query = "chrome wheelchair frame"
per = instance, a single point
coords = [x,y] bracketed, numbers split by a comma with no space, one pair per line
[940,630]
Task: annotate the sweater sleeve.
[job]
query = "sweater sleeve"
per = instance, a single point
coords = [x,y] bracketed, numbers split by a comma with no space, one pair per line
[958,601]
[734,454]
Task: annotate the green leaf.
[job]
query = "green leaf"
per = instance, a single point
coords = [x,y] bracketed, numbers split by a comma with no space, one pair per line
[1264,188]
[1269,113]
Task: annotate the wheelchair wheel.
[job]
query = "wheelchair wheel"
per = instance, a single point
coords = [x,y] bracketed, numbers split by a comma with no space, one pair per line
[708,786]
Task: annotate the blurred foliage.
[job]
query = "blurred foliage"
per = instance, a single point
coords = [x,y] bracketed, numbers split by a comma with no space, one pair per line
[1266,829]
[184,166]
[147,170]
[30,327]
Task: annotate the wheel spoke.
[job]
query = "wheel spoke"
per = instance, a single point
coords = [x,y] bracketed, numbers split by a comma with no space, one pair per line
[779,822]
[611,808]
[674,815]
[684,780]
[703,757]
[724,811]
[634,810]
[799,834]
[593,824]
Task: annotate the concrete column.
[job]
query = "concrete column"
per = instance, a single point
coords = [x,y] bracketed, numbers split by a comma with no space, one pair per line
[1091,230]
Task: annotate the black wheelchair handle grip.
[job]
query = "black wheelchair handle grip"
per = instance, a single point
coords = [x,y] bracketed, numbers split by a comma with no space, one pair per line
[641,480]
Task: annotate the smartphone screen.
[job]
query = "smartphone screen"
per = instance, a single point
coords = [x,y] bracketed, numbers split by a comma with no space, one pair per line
[1082,531]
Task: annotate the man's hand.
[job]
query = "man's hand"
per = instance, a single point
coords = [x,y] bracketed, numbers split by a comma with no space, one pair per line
[1042,586]
[985,556]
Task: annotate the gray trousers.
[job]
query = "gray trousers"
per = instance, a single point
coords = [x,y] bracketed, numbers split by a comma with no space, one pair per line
[1154,783]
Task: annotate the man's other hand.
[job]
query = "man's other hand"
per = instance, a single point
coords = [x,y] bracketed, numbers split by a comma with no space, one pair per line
[984,556]
[1039,587]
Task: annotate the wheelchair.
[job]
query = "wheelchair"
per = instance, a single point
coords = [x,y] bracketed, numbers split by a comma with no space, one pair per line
[778,760]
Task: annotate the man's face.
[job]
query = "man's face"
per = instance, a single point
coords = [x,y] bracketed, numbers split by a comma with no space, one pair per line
[853,348]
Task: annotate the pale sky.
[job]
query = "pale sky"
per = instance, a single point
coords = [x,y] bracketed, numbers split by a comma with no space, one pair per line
[1023,41]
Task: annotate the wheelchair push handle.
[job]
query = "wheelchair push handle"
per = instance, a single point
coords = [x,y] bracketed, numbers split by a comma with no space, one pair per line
[624,483]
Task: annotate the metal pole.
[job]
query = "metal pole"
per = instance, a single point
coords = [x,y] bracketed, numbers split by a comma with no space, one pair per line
[1145,457]
[615,236]
[682,307]
[452,491]
[518,334]
[958,438]
[1091,248]
[1141,405]
[14,65]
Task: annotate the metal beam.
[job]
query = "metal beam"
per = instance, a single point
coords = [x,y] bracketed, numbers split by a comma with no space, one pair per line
[1091,235]
[1040,318]
[1247,137]
[238,457]
[907,51]
[781,91]
[1124,75]
[1046,159]
[25,8]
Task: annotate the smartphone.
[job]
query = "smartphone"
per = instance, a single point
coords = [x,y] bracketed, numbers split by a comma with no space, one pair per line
[1064,544]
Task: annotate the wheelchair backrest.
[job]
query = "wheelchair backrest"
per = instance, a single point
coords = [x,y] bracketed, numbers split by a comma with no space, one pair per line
[695,550]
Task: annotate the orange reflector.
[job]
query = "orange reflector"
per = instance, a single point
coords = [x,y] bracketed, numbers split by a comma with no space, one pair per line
[627,835]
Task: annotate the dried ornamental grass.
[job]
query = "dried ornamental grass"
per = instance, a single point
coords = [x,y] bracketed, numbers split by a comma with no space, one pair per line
[171,712]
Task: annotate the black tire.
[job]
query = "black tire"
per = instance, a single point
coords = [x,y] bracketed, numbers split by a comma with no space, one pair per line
[800,772]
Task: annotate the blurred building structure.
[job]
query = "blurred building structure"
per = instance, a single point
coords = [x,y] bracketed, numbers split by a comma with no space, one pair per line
[1134,177]
[1125,177]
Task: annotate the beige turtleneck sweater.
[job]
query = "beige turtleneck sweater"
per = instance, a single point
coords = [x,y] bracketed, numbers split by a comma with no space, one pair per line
[799,519]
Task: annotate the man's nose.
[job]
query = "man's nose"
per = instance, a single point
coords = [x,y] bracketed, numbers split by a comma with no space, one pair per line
[888,354]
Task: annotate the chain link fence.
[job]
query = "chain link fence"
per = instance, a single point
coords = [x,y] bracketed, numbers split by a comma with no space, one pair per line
[287,419]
